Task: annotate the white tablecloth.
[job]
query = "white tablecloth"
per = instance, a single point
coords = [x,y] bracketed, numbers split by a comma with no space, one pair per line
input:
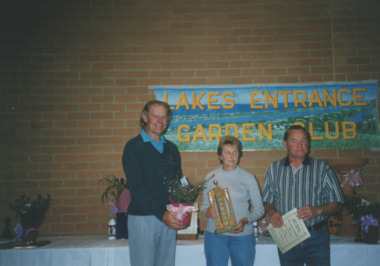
[99,251]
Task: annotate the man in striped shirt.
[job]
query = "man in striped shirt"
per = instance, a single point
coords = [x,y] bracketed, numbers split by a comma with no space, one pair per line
[308,184]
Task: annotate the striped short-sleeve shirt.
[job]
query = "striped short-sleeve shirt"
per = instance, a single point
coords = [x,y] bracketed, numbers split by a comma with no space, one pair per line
[314,183]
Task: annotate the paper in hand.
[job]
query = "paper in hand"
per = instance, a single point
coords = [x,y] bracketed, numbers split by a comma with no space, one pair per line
[293,232]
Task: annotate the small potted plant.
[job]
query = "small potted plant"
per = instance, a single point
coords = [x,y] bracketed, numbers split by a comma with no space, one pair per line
[366,217]
[117,192]
[182,195]
[115,188]
[32,214]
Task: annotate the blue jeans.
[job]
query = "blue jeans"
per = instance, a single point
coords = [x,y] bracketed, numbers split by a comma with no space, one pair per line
[219,248]
[314,251]
[151,242]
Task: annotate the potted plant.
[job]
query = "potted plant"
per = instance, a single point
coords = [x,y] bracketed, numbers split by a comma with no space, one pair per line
[366,217]
[115,187]
[182,195]
[32,214]
[117,192]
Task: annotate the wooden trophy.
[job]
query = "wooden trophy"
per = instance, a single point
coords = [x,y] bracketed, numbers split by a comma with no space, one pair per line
[224,221]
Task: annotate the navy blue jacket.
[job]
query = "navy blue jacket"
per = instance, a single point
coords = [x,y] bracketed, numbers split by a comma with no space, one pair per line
[145,169]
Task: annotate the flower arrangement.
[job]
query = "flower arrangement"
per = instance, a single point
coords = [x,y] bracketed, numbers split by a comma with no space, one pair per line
[353,178]
[119,196]
[359,207]
[181,191]
[366,214]
[31,212]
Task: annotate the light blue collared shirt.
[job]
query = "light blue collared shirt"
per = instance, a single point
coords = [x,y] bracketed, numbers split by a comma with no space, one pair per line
[159,146]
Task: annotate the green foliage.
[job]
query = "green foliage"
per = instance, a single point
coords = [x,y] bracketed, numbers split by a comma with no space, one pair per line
[184,194]
[115,187]
[359,207]
[31,213]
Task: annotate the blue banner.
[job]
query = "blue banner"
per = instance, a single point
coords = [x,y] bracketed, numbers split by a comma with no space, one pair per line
[337,115]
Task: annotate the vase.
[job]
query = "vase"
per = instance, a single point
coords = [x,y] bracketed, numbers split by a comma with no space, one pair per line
[122,225]
[29,235]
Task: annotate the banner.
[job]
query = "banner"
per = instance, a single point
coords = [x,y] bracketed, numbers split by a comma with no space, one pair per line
[337,115]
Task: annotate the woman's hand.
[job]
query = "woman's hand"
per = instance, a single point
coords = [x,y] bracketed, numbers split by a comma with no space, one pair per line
[210,213]
[241,225]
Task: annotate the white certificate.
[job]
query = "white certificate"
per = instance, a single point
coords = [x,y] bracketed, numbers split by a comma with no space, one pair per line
[293,232]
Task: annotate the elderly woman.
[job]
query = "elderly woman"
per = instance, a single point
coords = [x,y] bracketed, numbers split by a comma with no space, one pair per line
[244,191]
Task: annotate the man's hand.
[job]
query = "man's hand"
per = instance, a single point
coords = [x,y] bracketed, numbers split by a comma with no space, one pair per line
[276,219]
[307,212]
[169,220]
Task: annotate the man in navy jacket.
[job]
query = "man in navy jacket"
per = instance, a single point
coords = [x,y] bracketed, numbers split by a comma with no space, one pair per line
[148,159]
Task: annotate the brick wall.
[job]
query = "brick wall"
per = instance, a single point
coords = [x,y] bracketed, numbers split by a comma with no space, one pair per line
[74,76]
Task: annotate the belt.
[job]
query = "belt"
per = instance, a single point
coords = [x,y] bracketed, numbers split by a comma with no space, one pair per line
[317,226]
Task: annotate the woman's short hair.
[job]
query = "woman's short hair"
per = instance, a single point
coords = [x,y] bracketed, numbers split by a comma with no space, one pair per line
[146,108]
[229,140]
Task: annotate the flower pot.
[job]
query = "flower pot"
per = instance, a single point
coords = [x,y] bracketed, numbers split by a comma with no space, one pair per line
[370,236]
[122,225]
[183,210]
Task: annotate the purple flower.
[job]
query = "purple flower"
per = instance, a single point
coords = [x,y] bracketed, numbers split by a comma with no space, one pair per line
[368,220]
[113,207]
[354,179]
[18,230]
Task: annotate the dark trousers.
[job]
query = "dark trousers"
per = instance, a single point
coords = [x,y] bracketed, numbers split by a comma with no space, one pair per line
[313,251]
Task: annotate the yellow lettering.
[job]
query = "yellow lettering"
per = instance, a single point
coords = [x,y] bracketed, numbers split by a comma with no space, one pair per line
[286,100]
[213,134]
[314,98]
[269,97]
[326,96]
[247,132]
[215,131]
[182,101]
[227,100]
[235,127]
[197,101]
[311,131]
[349,130]
[166,100]
[210,100]
[179,133]
[253,100]
[299,124]
[359,97]
[328,135]
[199,133]
[340,97]
[268,132]
[300,101]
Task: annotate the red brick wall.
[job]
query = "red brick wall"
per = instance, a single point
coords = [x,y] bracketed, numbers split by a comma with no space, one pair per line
[74,76]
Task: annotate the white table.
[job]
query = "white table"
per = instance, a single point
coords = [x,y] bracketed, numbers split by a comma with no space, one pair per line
[99,251]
